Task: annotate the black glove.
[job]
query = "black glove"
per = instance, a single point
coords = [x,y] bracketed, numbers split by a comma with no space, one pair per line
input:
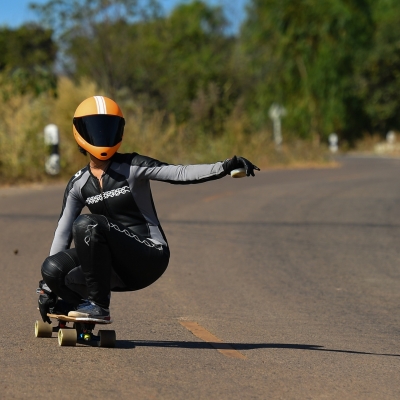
[47,300]
[239,162]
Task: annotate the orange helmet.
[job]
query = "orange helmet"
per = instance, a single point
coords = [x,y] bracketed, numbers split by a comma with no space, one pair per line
[98,126]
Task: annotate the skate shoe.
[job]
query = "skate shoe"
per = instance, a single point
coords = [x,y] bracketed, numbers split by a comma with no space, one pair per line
[90,310]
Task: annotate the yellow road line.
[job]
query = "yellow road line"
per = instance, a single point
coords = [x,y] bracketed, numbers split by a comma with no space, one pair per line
[212,340]
[217,196]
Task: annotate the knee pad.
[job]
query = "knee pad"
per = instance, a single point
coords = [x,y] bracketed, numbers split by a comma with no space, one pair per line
[58,265]
[54,270]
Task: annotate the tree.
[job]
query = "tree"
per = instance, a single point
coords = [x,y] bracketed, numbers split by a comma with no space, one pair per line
[378,75]
[196,79]
[27,56]
[177,63]
[91,35]
[303,55]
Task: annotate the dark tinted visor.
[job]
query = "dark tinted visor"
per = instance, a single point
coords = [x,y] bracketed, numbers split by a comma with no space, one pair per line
[100,130]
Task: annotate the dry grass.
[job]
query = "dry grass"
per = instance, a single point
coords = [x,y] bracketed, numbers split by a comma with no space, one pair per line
[378,146]
[22,119]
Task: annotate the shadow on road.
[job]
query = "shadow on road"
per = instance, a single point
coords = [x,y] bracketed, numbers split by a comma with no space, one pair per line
[129,344]
[302,224]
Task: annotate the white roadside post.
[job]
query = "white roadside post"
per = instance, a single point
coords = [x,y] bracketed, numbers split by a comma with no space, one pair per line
[276,112]
[333,142]
[390,139]
[51,140]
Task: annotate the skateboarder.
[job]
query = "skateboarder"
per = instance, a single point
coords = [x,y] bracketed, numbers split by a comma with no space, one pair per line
[120,246]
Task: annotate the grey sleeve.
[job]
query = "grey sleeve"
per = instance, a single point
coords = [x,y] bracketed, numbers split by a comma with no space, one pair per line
[178,174]
[72,207]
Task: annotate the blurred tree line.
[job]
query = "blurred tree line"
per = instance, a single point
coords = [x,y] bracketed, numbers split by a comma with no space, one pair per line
[333,64]
[27,56]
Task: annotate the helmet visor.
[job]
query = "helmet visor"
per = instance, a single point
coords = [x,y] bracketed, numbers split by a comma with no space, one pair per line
[100,130]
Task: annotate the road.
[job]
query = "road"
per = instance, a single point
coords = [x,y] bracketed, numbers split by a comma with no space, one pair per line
[283,286]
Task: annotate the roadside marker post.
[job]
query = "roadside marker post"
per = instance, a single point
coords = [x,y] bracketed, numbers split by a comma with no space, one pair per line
[276,112]
[391,138]
[333,142]
[52,140]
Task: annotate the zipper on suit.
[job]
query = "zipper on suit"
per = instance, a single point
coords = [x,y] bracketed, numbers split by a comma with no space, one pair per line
[102,194]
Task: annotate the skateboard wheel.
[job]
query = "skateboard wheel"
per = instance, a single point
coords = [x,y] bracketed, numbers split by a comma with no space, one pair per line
[238,173]
[107,338]
[43,329]
[67,337]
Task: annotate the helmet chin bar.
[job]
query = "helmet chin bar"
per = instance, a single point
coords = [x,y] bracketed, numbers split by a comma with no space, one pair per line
[96,152]
[104,157]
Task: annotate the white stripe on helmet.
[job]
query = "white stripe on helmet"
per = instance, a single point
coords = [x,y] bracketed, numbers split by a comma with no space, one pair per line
[101,104]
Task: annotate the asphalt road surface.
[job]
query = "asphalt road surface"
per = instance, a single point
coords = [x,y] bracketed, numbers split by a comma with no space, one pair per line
[283,286]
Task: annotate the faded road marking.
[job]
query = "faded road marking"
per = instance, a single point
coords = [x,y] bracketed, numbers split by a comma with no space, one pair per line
[217,196]
[212,340]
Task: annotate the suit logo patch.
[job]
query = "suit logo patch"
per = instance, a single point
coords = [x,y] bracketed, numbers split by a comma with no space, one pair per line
[106,195]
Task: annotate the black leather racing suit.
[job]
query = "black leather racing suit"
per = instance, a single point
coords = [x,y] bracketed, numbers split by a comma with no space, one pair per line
[120,246]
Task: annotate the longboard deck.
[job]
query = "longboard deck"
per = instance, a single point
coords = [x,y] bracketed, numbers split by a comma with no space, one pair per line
[78,319]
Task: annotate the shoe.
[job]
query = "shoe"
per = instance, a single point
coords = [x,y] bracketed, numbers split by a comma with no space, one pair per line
[90,310]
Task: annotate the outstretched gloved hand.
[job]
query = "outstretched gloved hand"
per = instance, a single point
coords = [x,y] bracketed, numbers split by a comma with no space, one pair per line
[47,300]
[239,162]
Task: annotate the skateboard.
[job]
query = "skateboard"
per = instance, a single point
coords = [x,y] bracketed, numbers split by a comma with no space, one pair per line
[81,331]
